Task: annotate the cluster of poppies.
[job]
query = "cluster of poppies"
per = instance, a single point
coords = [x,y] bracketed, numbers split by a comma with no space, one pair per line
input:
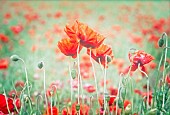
[81,35]
[8,105]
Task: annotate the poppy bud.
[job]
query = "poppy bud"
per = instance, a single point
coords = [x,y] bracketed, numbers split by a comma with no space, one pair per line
[77,107]
[128,109]
[107,97]
[69,104]
[152,112]
[120,103]
[123,93]
[14,57]
[161,42]
[73,73]
[40,65]
[166,65]
[109,59]
[26,99]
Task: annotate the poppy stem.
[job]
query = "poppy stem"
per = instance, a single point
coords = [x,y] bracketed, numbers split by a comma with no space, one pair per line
[44,75]
[166,50]
[71,86]
[105,74]
[38,98]
[6,101]
[79,78]
[15,97]
[147,85]
[117,97]
[51,106]
[94,74]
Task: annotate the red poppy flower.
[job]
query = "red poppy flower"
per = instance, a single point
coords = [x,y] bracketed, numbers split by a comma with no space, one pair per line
[87,37]
[16,29]
[68,48]
[4,38]
[84,110]
[3,64]
[100,53]
[110,102]
[89,88]
[4,105]
[52,111]
[139,57]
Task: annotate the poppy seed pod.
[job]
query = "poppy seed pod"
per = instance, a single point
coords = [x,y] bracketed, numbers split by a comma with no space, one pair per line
[14,57]
[40,65]
[161,42]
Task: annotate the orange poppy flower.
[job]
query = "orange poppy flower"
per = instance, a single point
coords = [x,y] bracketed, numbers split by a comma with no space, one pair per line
[139,57]
[52,111]
[85,35]
[100,53]
[84,110]
[68,48]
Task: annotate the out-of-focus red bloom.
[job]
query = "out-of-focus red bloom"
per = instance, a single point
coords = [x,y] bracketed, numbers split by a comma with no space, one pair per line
[89,88]
[144,94]
[10,104]
[31,17]
[68,48]
[139,57]
[58,14]
[84,110]
[57,85]
[110,102]
[4,64]
[113,91]
[19,84]
[4,38]
[168,79]
[100,53]
[159,24]
[51,111]
[87,37]
[16,29]
[7,16]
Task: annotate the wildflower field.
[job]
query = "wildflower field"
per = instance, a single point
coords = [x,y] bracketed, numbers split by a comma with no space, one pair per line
[84,57]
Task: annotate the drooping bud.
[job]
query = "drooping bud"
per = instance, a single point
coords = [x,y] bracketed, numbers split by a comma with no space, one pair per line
[120,103]
[14,57]
[123,93]
[161,42]
[40,65]
[109,59]
[77,107]
[73,73]
[26,98]
[107,97]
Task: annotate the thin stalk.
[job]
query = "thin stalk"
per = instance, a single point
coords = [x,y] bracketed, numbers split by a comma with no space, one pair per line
[147,85]
[94,74]
[51,106]
[46,101]
[166,50]
[71,86]
[6,101]
[26,76]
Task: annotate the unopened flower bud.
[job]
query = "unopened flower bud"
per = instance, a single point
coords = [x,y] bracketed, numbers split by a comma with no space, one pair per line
[161,42]
[40,65]
[107,97]
[123,93]
[73,73]
[14,57]
[120,103]
[26,99]
[77,107]
[109,59]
